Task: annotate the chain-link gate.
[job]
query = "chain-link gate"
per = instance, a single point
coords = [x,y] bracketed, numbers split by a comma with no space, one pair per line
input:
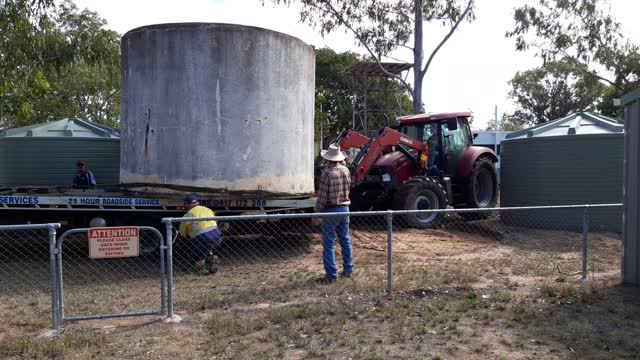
[94,274]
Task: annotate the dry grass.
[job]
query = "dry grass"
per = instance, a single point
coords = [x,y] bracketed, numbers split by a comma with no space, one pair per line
[73,345]
[506,293]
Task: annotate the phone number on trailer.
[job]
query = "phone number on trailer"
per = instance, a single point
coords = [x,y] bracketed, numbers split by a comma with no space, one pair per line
[234,203]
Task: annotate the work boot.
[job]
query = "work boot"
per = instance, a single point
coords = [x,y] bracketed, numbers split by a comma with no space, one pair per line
[200,266]
[212,262]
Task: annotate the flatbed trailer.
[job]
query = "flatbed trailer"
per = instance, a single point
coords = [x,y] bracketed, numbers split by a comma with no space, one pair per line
[119,206]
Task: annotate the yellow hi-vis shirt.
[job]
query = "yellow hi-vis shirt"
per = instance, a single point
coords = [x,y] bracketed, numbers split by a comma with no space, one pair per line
[195,228]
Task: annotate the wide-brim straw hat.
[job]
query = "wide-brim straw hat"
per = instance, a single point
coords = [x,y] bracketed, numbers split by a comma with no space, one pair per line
[333,153]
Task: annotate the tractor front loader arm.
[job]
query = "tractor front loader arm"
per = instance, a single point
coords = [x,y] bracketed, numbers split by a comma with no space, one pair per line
[386,139]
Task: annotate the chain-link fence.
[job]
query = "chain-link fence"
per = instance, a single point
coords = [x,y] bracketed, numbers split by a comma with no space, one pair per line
[267,258]
[25,269]
[271,259]
[506,249]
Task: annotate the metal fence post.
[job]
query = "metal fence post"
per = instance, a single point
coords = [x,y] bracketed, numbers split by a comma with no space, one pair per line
[585,242]
[163,275]
[389,253]
[169,242]
[55,317]
[60,283]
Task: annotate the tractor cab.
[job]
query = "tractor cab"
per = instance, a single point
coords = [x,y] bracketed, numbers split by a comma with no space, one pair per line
[448,136]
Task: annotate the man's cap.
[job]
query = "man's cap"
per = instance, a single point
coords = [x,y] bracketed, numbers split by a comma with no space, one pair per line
[80,162]
[191,198]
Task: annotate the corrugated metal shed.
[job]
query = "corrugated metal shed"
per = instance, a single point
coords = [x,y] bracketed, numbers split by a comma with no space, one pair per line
[574,160]
[45,154]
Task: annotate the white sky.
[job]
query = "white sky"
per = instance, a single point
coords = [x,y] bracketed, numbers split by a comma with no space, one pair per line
[471,72]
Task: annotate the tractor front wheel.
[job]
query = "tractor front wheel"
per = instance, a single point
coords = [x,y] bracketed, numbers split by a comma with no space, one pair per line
[421,193]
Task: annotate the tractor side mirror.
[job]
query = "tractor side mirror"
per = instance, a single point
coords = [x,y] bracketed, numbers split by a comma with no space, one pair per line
[452,124]
[475,135]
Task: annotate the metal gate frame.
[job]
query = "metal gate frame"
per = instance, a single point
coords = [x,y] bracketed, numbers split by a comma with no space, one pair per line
[58,291]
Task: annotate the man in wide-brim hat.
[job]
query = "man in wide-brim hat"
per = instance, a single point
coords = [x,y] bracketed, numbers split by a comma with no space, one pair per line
[333,197]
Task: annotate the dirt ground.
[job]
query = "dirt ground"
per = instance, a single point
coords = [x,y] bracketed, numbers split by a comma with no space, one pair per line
[472,291]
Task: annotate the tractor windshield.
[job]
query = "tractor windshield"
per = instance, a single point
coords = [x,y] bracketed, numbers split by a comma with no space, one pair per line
[422,132]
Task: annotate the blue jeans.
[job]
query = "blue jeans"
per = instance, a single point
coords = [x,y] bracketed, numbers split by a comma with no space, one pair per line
[432,169]
[330,227]
[205,242]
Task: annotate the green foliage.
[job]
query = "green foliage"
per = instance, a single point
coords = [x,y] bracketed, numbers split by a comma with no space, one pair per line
[552,91]
[381,26]
[336,92]
[56,61]
[505,124]
[587,62]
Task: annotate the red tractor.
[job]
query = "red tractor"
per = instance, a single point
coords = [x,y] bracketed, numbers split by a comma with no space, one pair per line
[427,161]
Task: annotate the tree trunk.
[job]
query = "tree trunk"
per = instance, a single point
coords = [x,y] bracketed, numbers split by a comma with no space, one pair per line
[417,59]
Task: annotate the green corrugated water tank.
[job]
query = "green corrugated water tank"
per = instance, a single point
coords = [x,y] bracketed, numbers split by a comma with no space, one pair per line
[574,160]
[46,154]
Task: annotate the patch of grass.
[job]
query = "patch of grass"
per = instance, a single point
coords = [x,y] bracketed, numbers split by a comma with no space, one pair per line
[457,277]
[521,313]
[53,348]
[467,305]
[566,292]
[305,325]
[286,314]
[439,304]
[222,326]
[501,297]
[482,349]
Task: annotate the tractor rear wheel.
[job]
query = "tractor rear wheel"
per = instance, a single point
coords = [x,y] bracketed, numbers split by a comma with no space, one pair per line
[422,193]
[482,189]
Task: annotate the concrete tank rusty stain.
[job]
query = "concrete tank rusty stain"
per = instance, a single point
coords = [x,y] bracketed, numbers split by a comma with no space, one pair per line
[217,106]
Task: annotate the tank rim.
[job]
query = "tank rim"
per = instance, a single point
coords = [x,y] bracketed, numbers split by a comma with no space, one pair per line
[179,25]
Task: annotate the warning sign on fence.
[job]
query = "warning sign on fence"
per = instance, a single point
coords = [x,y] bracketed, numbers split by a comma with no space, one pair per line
[114,242]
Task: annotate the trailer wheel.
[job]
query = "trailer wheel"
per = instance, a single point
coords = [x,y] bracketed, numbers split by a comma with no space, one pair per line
[421,193]
[482,189]
[149,246]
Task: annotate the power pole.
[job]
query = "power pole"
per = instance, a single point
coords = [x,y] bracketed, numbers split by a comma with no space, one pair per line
[495,130]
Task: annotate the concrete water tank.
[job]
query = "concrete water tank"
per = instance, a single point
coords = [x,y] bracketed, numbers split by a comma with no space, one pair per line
[217,107]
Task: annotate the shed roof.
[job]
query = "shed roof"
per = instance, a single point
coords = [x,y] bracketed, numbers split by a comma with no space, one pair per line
[580,123]
[71,127]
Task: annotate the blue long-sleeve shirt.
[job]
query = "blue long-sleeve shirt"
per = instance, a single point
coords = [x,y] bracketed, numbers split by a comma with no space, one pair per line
[85,179]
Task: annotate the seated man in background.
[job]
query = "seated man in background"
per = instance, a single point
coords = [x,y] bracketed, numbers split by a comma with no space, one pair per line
[432,142]
[83,179]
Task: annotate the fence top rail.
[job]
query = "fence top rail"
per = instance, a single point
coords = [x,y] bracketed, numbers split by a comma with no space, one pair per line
[29,227]
[386,212]
[86,230]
